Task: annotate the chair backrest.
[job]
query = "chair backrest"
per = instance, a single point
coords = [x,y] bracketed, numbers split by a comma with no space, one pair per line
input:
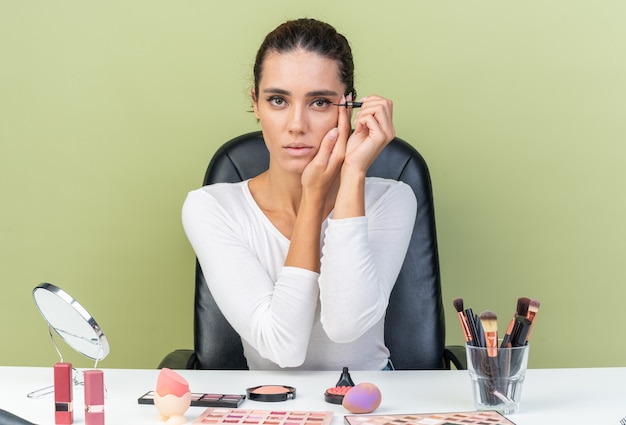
[414,324]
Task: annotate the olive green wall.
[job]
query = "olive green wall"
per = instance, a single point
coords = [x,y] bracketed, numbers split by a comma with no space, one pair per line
[110,110]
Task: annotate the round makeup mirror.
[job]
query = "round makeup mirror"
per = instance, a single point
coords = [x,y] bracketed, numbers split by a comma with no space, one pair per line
[71,322]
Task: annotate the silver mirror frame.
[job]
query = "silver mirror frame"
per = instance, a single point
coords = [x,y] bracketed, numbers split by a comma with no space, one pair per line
[102,342]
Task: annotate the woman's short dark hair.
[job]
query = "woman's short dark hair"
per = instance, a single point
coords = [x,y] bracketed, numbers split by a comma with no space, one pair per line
[310,35]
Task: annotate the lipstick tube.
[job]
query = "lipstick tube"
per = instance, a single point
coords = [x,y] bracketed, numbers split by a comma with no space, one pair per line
[63,408]
[94,397]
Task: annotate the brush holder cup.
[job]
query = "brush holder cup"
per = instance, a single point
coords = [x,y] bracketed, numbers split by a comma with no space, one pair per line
[497,376]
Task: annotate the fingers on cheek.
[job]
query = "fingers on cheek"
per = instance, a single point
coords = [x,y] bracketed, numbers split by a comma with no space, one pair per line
[344,118]
[332,133]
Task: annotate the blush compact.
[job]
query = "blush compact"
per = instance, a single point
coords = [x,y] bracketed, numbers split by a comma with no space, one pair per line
[335,394]
[271,393]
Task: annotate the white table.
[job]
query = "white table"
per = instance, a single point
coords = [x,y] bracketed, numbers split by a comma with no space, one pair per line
[550,396]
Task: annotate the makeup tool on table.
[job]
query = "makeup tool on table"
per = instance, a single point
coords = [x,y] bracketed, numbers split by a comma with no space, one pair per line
[74,325]
[489,322]
[174,386]
[475,327]
[448,418]
[203,399]
[271,393]
[222,416]
[63,394]
[467,333]
[517,333]
[172,397]
[335,394]
[94,397]
[360,398]
[497,372]
[533,308]
[520,311]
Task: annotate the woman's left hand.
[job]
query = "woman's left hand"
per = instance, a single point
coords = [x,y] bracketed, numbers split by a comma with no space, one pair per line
[373,130]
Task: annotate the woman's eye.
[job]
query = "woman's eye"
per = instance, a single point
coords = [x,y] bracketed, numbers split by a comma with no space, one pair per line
[276,101]
[321,103]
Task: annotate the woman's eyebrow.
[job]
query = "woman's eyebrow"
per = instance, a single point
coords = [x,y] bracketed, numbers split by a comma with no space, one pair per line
[276,90]
[322,93]
[314,93]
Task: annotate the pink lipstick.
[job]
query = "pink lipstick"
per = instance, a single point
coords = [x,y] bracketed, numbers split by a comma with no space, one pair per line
[94,397]
[63,409]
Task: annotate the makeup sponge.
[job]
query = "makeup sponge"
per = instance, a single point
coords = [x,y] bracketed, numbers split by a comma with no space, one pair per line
[170,382]
[362,398]
[172,397]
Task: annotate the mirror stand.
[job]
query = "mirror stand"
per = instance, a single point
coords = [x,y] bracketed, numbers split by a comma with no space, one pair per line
[70,321]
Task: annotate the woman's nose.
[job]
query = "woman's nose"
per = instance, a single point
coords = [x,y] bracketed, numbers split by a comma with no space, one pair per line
[297,119]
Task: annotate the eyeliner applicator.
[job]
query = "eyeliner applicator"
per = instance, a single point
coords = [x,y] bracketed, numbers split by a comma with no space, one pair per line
[350,104]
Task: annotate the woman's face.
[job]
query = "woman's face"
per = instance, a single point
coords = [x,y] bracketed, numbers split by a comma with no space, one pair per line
[294,105]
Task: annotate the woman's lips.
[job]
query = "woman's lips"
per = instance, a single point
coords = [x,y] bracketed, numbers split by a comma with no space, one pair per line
[298,150]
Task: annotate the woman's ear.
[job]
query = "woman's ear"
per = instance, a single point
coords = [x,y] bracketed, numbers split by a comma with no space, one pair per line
[255,103]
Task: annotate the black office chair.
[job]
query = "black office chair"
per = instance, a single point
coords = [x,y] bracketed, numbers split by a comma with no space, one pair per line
[414,324]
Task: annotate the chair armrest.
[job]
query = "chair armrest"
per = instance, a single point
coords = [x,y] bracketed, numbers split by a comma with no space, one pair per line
[455,354]
[179,359]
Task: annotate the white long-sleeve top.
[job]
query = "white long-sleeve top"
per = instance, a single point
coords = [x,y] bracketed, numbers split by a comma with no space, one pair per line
[290,317]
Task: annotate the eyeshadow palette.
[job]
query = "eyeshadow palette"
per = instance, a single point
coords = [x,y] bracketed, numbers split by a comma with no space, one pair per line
[454,418]
[203,400]
[217,416]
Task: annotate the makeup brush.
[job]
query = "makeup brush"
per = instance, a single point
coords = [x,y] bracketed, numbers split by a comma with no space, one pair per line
[458,305]
[520,310]
[522,306]
[480,331]
[350,104]
[519,336]
[473,327]
[533,308]
[489,324]
[489,321]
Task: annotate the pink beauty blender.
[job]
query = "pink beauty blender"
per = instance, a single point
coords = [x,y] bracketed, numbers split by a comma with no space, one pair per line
[172,397]
[170,382]
[362,398]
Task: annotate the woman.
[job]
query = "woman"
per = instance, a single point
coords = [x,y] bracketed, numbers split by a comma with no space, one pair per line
[302,258]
